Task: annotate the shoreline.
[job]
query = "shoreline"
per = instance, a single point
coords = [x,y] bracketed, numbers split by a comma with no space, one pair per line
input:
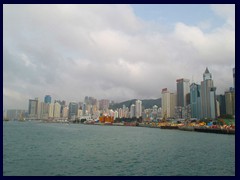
[205,129]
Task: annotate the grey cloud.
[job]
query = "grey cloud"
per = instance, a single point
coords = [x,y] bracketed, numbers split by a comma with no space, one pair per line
[105,51]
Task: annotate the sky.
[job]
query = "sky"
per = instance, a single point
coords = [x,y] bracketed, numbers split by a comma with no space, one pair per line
[116,52]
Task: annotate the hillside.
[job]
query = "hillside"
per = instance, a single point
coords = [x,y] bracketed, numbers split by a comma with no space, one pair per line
[146,103]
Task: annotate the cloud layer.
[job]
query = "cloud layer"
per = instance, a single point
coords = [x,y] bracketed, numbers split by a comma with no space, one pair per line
[106,51]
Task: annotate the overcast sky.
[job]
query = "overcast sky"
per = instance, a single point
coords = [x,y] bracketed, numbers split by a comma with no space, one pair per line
[118,52]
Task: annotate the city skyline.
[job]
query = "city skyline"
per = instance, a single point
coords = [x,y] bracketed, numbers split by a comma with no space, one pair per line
[116,52]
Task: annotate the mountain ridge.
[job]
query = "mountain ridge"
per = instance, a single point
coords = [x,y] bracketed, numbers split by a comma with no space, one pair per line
[146,103]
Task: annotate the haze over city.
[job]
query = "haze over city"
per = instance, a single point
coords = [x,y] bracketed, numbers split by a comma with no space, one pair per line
[118,52]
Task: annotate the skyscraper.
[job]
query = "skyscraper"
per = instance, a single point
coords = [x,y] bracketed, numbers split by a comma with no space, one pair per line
[44,110]
[138,108]
[195,100]
[132,111]
[48,99]
[33,108]
[84,108]
[104,104]
[222,104]
[65,112]
[165,102]
[182,91]
[57,110]
[230,102]
[208,96]
[73,110]
[168,103]
[50,110]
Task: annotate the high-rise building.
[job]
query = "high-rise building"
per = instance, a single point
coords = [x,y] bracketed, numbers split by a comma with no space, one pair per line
[48,99]
[73,110]
[138,108]
[115,114]
[33,108]
[230,102]
[168,103]
[65,112]
[182,91]
[84,109]
[79,113]
[218,108]
[183,98]
[15,114]
[165,102]
[222,104]
[213,101]
[50,110]
[132,111]
[104,104]
[195,100]
[57,110]
[43,110]
[173,101]
[208,96]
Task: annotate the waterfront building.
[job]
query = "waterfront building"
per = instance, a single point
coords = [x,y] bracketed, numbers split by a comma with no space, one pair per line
[89,109]
[33,108]
[94,109]
[132,111]
[182,91]
[73,110]
[208,96]
[57,110]
[115,114]
[218,108]
[39,110]
[168,103]
[154,113]
[222,104]
[43,110]
[104,104]
[47,99]
[79,115]
[50,110]
[14,114]
[126,113]
[230,102]
[183,100]
[195,100]
[111,113]
[213,102]
[120,113]
[173,100]
[62,103]
[138,108]
[84,109]
[65,112]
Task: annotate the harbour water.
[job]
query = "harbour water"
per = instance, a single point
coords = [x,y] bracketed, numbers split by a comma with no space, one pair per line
[58,149]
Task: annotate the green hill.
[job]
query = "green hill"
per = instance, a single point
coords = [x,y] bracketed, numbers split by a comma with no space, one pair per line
[146,103]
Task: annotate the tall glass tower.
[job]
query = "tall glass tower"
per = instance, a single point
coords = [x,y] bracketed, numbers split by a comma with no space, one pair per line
[208,96]
[47,99]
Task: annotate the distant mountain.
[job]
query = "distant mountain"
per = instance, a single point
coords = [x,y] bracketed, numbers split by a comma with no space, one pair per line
[146,103]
